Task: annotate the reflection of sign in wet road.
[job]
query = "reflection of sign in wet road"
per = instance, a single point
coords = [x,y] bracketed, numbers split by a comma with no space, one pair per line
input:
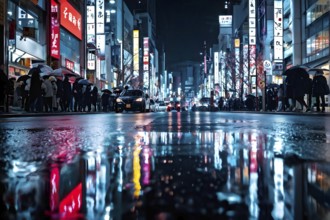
[203,165]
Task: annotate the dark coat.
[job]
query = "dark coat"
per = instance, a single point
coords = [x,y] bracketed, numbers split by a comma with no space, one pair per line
[289,86]
[301,87]
[67,91]
[59,92]
[94,95]
[320,86]
[35,87]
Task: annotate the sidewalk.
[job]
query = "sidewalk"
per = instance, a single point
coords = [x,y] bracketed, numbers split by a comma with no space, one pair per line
[18,112]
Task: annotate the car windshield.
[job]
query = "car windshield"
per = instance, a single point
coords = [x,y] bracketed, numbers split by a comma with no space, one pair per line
[133,93]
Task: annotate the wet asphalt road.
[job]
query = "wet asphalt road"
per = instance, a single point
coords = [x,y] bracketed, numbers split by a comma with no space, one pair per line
[207,165]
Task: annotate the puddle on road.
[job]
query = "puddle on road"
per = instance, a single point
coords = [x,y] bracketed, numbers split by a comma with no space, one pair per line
[162,175]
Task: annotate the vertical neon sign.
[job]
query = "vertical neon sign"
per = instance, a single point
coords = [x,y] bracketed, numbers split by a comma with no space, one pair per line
[55,30]
[252,42]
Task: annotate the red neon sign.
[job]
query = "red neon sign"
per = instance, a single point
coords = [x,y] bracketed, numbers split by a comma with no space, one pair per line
[69,64]
[54,188]
[72,203]
[55,31]
[71,19]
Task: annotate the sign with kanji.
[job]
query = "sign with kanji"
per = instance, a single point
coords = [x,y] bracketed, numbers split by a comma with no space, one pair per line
[100,16]
[55,30]
[71,19]
[225,20]
[278,31]
[69,65]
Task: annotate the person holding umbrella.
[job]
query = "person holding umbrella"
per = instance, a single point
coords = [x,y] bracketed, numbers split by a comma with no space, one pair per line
[77,95]
[22,82]
[94,97]
[87,98]
[296,86]
[288,92]
[320,88]
[300,89]
[48,95]
[35,94]
[105,100]
[67,95]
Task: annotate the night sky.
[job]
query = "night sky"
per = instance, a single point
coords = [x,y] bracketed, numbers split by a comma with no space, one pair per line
[184,25]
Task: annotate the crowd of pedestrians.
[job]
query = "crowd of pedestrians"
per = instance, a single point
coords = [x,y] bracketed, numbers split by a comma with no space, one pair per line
[296,90]
[298,93]
[291,95]
[51,94]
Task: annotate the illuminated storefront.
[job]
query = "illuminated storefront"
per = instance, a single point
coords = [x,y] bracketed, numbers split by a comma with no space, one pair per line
[26,40]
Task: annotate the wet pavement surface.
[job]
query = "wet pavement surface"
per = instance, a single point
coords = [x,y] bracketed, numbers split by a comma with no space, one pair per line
[165,166]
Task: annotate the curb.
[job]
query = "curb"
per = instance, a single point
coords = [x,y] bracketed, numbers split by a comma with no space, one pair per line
[26,114]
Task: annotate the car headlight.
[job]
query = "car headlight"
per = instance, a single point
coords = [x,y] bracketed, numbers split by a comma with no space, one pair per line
[139,99]
[119,100]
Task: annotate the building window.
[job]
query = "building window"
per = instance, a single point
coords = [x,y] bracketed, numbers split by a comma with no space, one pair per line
[27,24]
[70,46]
[317,42]
[317,10]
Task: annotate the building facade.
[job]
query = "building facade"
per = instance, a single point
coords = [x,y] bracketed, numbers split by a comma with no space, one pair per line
[270,37]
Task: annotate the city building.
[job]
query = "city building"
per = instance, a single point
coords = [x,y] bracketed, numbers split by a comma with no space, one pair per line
[92,39]
[186,80]
[26,40]
[269,37]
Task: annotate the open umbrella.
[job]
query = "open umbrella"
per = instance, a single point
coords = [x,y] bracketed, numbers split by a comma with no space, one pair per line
[57,73]
[296,71]
[23,78]
[84,82]
[65,72]
[316,71]
[106,91]
[71,74]
[33,70]
[44,69]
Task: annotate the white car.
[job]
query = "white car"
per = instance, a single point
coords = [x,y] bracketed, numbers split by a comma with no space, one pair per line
[161,106]
[152,105]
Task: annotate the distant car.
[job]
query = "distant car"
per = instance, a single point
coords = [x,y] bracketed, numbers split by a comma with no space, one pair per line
[132,100]
[161,106]
[173,106]
[204,104]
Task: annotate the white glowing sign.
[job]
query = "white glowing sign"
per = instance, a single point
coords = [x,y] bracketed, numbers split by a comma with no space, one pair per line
[100,16]
[225,20]
[91,64]
[216,68]
[278,31]
[90,27]
[90,13]
[252,22]
[252,40]
[146,62]
[100,43]
[136,47]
